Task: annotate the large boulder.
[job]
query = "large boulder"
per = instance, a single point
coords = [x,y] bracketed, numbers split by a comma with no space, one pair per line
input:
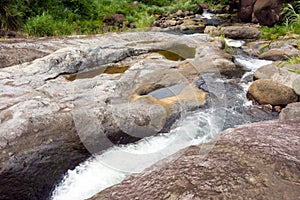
[266,91]
[266,12]
[58,109]
[254,161]
[245,10]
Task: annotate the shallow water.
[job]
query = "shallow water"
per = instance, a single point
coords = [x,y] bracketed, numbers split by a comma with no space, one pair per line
[178,52]
[96,72]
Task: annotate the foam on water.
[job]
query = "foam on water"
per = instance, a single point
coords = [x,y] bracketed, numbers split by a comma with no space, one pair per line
[251,64]
[234,43]
[111,167]
[207,15]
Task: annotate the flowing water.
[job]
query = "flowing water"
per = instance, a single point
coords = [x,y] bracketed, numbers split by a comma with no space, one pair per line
[227,107]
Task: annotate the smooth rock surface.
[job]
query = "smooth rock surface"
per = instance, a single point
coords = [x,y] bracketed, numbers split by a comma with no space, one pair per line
[56,110]
[269,92]
[265,12]
[274,55]
[241,32]
[254,161]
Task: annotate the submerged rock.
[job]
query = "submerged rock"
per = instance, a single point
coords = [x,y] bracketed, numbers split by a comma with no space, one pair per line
[254,161]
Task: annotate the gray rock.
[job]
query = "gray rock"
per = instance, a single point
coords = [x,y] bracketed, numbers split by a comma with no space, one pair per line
[241,32]
[276,74]
[259,160]
[292,111]
[296,85]
[280,50]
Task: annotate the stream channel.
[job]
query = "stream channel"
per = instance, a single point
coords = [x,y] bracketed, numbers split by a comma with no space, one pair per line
[226,107]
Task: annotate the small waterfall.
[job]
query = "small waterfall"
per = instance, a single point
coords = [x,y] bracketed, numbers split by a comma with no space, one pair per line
[111,167]
[115,164]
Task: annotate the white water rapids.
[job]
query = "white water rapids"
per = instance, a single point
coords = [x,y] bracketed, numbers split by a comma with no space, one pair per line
[113,165]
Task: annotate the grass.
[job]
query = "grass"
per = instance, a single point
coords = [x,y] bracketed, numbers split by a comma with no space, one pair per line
[53,18]
[290,26]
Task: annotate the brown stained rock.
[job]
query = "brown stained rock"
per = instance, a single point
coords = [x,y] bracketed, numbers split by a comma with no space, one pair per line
[245,10]
[267,12]
[254,161]
[274,55]
[269,92]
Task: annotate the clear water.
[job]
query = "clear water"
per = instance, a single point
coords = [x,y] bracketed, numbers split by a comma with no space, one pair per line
[112,166]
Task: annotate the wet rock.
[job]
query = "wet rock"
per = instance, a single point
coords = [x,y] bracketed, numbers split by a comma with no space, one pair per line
[212,60]
[258,160]
[269,92]
[241,32]
[292,111]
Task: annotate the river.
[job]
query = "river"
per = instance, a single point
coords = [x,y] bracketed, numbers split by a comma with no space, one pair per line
[227,107]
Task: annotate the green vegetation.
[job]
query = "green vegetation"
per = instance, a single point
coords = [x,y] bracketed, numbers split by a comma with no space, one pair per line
[291,24]
[64,17]
[291,61]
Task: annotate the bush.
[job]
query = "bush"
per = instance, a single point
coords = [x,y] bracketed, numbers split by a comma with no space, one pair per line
[290,25]
[45,25]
